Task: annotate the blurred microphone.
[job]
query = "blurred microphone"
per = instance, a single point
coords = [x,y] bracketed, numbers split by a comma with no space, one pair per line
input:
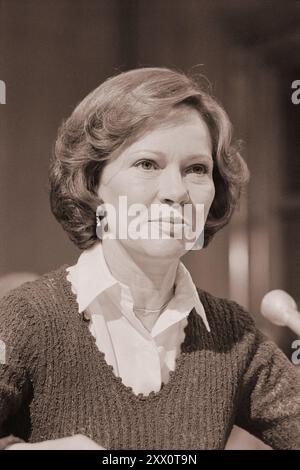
[281,309]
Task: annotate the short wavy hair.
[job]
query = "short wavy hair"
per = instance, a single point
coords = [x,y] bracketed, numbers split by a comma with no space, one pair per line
[119,109]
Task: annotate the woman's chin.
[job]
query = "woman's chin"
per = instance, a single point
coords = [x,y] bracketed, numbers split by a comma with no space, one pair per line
[160,248]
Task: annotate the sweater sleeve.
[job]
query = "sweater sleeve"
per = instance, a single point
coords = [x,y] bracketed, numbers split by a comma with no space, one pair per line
[269,402]
[16,333]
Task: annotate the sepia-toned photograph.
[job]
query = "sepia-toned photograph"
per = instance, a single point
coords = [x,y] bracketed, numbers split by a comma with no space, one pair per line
[150,227]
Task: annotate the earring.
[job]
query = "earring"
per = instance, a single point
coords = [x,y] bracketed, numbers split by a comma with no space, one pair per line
[99,231]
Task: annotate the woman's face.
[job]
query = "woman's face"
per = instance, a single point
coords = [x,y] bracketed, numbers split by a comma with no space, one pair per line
[169,166]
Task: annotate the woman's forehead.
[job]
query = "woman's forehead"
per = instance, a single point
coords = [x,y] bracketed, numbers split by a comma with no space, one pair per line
[186,130]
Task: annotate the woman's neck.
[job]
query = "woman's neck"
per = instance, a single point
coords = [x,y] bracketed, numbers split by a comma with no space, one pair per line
[151,281]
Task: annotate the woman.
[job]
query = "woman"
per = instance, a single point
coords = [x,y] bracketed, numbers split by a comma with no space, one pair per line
[121,350]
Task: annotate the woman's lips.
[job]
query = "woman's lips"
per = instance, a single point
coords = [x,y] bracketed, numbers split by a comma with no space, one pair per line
[170,227]
[168,221]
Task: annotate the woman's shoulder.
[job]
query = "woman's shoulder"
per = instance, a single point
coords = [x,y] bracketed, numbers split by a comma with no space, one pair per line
[29,298]
[48,280]
[232,328]
[23,311]
[226,315]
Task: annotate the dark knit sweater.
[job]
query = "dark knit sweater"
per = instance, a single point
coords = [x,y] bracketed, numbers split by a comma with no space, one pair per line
[56,383]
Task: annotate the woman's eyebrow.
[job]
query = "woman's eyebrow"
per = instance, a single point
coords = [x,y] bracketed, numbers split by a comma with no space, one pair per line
[200,156]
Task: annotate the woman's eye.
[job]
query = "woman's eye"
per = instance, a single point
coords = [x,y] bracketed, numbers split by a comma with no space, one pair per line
[198,169]
[146,165]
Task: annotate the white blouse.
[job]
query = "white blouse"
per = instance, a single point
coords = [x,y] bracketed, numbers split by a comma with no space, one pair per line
[142,358]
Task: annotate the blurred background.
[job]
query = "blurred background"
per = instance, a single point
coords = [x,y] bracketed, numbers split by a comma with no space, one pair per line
[53,52]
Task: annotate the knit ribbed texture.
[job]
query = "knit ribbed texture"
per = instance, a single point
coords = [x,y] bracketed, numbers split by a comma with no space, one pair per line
[56,382]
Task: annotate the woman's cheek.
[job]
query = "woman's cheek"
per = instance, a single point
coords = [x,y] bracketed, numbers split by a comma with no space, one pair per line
[211,191]
[207,198]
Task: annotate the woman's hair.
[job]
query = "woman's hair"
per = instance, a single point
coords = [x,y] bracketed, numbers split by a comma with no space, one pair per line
[119,109]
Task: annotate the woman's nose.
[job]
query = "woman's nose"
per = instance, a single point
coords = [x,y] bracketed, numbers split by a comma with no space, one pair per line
[172,188]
